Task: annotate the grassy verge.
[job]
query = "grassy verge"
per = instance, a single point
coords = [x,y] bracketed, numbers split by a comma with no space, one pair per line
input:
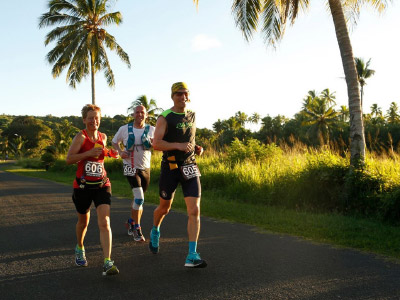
[344,231]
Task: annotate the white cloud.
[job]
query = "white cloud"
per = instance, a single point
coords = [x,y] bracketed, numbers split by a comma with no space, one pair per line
[202,42]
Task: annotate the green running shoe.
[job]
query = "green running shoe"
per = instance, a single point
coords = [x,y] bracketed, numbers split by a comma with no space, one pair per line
[80,258]
[109,268]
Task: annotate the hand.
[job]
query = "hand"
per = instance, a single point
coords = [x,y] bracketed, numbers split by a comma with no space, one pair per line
[125,154]
[95,152]
[186,147]
[198,150]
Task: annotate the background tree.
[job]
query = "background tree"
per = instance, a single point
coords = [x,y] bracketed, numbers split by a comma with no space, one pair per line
[275,14]
[363,73]
[151,107]
[344,113]
[321,117]
[392,114]
[241,118]
[81,39]
[31,131]
[255,118]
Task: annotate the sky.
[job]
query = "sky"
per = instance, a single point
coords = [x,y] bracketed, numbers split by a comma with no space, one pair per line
[170,41]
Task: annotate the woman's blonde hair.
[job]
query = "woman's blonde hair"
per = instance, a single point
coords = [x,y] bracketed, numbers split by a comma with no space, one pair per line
[89,107]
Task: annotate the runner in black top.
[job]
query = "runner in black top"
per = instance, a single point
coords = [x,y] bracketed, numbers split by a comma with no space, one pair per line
[175,136]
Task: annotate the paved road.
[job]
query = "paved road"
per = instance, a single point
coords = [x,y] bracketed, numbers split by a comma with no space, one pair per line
[37,238]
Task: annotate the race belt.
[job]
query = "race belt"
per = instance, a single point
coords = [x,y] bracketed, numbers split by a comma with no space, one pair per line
[88,184]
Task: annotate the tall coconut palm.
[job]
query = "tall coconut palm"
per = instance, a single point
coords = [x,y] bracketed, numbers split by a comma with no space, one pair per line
[363,73]
[150,105]
[81,39]
[273,16]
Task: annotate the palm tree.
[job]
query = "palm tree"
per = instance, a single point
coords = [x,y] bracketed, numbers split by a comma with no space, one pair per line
[255,118]
[81,39]
[241,118]
[276,13]
[376,111]
[328,96]
[218,126]
[344,113]
[322,117]
[363,73]
[151,107]
[393,114]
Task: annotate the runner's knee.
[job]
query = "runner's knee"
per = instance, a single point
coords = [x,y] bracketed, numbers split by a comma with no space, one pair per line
[104,223]
[138,200]
[193,211]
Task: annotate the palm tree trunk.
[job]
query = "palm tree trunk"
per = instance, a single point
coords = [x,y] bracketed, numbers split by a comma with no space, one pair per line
[362,95]
[92,77]
[357,138]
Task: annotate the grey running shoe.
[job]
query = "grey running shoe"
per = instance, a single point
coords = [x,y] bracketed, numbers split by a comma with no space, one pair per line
[129,226]
[109,268]
[193,260]
[138,235]
[80,258]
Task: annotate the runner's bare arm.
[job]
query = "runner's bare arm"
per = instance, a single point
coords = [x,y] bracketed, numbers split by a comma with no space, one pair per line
[161,145]
[74,156]
[122,153]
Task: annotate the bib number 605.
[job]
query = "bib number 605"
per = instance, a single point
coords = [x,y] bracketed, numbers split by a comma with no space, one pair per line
[190,171]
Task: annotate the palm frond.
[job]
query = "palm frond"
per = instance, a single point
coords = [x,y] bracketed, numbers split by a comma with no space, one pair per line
[60,32]
[49,19]
[113,45]
[273,26]
[111,18]
[105,65]
[246,14]
[79,66]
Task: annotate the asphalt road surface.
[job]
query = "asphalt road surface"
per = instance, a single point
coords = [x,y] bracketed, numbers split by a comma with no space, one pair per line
[37,240]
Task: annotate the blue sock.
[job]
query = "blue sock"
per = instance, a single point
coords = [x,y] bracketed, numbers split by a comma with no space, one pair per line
[192,247]
[136,226]
[156,228]
[131,221]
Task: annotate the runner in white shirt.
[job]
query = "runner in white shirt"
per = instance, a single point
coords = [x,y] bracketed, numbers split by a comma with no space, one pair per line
[136,138]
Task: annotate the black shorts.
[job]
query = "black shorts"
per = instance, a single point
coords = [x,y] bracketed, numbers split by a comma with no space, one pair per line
[141,179]
[83,198]
[169,180]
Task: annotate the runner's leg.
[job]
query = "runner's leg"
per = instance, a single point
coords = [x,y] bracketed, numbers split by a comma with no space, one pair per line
[81,227]
[193,211]
[103,220]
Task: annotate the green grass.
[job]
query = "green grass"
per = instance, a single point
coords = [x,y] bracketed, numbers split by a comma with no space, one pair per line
[363,234]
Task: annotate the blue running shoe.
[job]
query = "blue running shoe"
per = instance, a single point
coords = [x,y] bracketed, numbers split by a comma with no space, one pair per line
[109,268]
[154,241]
[80,258]
[193,260]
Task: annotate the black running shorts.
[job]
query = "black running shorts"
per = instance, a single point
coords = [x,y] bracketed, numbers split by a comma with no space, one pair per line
[169,180]
[83,198]
[141,179]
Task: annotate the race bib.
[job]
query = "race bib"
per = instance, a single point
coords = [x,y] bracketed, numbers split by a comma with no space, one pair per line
[129,171]
[94,169]
[190,171]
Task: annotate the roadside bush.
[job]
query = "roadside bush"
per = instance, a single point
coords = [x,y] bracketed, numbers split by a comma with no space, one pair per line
[48,159]
[253,151]
[30,163]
